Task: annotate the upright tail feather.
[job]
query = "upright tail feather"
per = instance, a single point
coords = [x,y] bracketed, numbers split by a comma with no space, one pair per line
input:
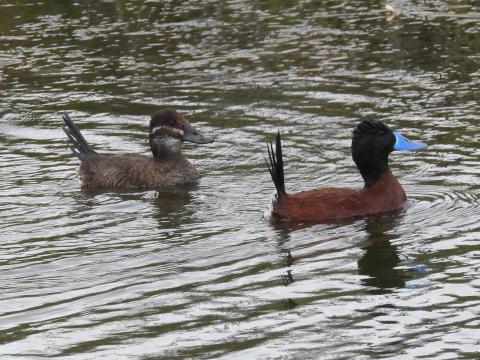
[275,165]
[79,145]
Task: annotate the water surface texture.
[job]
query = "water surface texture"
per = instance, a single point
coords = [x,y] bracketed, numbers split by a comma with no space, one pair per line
[196,272]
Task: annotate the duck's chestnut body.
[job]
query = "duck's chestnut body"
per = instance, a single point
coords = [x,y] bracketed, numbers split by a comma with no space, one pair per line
[372,143]
[333,204]
[167,166]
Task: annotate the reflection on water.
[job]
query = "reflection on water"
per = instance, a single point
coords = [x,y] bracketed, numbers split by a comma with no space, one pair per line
[381,258]
[196,272]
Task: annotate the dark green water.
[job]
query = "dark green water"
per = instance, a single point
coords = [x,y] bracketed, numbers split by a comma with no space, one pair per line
[197,272]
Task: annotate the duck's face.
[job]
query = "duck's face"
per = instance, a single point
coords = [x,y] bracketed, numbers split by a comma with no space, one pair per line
[372,142]
[168,129]
[375,139]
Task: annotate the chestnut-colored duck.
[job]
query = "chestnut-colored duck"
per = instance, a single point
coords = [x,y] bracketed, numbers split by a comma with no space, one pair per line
[372,143]
[167,167]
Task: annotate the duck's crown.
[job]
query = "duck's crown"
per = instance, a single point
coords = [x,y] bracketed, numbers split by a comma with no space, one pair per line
[371,126]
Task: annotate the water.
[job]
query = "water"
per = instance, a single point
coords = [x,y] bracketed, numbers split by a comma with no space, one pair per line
[196,272]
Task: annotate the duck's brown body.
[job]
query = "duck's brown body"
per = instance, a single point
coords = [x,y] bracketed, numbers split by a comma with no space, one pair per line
[332,204]
[132,171]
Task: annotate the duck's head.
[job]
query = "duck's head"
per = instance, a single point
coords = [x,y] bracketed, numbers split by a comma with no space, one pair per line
[168,129]
[372,143]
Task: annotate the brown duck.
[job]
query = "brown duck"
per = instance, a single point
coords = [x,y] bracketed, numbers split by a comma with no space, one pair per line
[167,167]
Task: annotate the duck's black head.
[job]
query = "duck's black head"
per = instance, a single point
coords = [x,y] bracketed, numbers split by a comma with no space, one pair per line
[372,143]
[168,129]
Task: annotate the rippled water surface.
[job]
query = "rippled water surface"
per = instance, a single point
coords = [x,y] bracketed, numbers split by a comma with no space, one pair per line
[197,272]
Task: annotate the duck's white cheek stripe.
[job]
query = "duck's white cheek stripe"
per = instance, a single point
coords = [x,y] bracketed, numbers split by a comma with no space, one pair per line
[172,143]
[168,128]
[168,143]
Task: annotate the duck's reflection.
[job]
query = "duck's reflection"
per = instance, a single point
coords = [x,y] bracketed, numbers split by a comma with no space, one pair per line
[381,258]
[379,261]
[171,205]
[283,236]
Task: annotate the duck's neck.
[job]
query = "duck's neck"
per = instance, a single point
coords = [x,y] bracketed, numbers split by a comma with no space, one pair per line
[166,149]
[384,182]
[387,186]
[372,172]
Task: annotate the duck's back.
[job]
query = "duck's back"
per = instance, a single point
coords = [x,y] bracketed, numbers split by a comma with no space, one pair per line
[133,171]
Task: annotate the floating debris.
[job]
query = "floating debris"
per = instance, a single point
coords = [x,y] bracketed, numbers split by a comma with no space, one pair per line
[391,12]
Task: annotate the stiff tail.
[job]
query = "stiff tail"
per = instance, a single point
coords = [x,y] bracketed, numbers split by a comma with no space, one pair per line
[275,165]
[79,145]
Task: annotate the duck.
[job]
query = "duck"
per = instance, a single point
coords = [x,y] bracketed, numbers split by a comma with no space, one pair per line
[372,143]
[166,167]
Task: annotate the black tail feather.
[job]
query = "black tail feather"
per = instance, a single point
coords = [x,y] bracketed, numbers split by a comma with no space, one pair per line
[275,165]
[79,145]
